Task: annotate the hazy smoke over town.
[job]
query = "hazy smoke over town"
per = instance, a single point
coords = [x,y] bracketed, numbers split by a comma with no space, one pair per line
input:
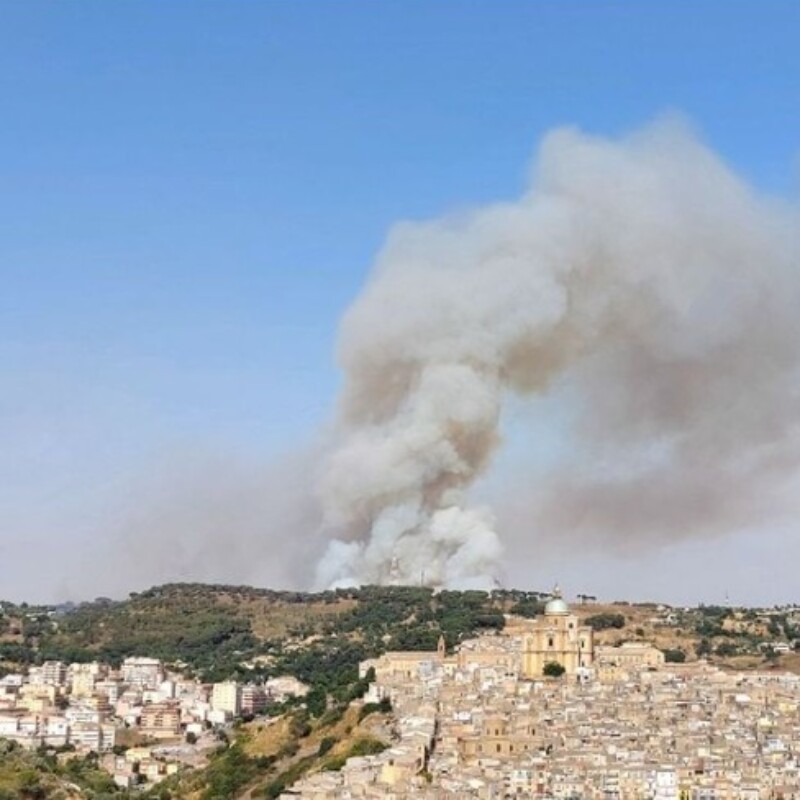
[642,279]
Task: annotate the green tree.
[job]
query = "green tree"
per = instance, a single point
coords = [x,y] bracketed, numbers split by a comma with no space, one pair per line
[674,656]
[726,649]
[703,648]
[326,745]
[317,702]
[552,669]
[601,622]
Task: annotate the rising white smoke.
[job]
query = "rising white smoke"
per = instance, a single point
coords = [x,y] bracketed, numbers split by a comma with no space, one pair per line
[642,271]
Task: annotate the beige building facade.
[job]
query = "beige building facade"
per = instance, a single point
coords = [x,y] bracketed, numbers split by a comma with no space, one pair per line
[226,697]
[557,637]
[404,663]
[611,663]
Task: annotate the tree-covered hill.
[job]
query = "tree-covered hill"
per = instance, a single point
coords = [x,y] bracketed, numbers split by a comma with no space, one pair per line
[214,629]
[219,631]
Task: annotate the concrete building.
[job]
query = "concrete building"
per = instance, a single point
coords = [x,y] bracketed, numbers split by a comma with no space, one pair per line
[284,686]
[54,673]
[226,697]
[161,720]
[404,663]
[252,699]
[83,677]
[88,736]
[143,673]
[610,661]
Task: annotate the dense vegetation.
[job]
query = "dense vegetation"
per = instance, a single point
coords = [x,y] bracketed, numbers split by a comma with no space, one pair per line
[726,633]
[601,622]
[41,776]
[215,630]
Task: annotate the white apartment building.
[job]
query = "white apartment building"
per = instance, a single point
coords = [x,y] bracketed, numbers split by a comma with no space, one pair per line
[91,736]
[83,715]
[144,673]
[54,673]
[9,725]
[226,697]
[109,689]
[82,678]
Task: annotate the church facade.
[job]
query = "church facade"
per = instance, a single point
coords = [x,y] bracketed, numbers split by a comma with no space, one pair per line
[556,637]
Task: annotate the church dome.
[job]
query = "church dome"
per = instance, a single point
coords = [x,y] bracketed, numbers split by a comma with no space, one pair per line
[556,605]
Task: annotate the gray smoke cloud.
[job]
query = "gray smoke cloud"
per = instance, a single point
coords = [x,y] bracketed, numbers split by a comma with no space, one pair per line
[641,274]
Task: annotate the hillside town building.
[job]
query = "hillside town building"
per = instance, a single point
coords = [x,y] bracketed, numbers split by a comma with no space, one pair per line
[484,723]
[557,637]
[83,706]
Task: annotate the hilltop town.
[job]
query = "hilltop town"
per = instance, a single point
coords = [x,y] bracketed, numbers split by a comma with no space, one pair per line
[539,710]
[401,691]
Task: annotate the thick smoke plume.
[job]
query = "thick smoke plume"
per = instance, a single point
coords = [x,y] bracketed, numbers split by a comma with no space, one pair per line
[643,276]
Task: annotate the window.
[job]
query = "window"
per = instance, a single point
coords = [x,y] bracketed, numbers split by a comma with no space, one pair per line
[550,641]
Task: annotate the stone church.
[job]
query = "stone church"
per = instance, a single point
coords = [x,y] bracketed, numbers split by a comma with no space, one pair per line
[556,637]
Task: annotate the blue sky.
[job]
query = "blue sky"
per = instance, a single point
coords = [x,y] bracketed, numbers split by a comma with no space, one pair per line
[193,192]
